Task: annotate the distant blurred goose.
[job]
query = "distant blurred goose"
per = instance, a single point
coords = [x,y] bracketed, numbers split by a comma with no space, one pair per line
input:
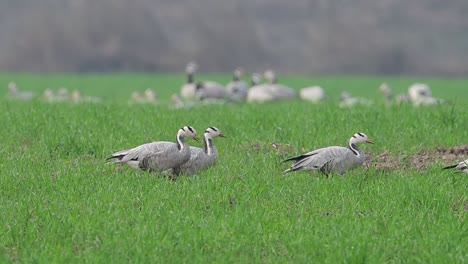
[421,94]
[279,92]
[136,98]
[48,95]
[238,89]
[332,159]
[202,158]
[207,90]
[76,98]
[388,93]
[158,156]
[62,95]
[258,93]
[150,96]
[313,94]
[347,100]
[15,93]
[462,166]
[188,89]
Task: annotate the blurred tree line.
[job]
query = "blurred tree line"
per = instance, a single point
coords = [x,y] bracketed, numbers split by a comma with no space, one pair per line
[419,37]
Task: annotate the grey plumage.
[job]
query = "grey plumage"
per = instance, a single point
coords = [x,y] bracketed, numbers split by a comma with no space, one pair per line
[238,89]
[201,158]
[16,94]
[462,166]
[158,156]
[332,159]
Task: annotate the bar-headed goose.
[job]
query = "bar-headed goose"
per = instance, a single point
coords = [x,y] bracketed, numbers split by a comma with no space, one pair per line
[188,89]
[15,93]
[237,88]
[279,92]
[158,156]
[462,166]
[421,94]
[259,93]
[332,159]
[202,158]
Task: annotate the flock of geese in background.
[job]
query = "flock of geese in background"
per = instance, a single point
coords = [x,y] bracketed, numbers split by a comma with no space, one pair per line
[178,158]
[262,89]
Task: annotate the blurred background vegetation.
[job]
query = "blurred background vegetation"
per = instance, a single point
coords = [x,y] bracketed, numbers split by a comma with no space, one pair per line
[370,37]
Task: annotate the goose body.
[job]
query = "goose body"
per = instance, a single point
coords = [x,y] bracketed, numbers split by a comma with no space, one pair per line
[333,159]
[76,98]
[202,158]
[313,94]
[158,156]
[211,90]
[347,100]
[237,89]
[16,94]
[421,94]
[271,91]
[258,93]
[462,166]
[278,91]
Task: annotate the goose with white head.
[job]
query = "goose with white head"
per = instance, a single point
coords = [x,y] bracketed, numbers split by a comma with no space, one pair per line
[158,156]
[333,159]
[201,158]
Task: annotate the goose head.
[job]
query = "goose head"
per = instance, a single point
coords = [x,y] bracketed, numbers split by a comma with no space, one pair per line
[385,89]
[256,79]
[150,95]
[213,132]
[191,68]
[13,87]
[345,96]
[270,76]
[238,73]
[360,138]
[188,131]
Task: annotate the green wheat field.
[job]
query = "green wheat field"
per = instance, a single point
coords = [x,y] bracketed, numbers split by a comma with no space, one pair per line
[61,203]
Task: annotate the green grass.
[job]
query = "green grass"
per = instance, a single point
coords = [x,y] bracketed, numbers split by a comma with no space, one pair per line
[61,203]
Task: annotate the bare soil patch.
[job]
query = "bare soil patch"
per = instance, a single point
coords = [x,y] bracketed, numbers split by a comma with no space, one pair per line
[440,155]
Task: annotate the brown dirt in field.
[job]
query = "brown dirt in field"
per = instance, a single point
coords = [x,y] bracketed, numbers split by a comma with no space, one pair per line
[440,155]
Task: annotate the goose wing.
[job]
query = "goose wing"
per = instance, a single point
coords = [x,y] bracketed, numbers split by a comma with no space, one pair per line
[152,156]
[321,159]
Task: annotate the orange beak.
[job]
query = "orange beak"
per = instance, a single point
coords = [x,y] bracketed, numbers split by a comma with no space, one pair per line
[370,141]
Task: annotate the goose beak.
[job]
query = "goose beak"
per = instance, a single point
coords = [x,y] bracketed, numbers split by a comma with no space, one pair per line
[222,135]
[369,141]
[196,139]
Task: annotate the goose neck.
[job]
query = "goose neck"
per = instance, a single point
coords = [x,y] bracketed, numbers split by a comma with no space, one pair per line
[181,144]
[190,77]
[208,145]
[354,148]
